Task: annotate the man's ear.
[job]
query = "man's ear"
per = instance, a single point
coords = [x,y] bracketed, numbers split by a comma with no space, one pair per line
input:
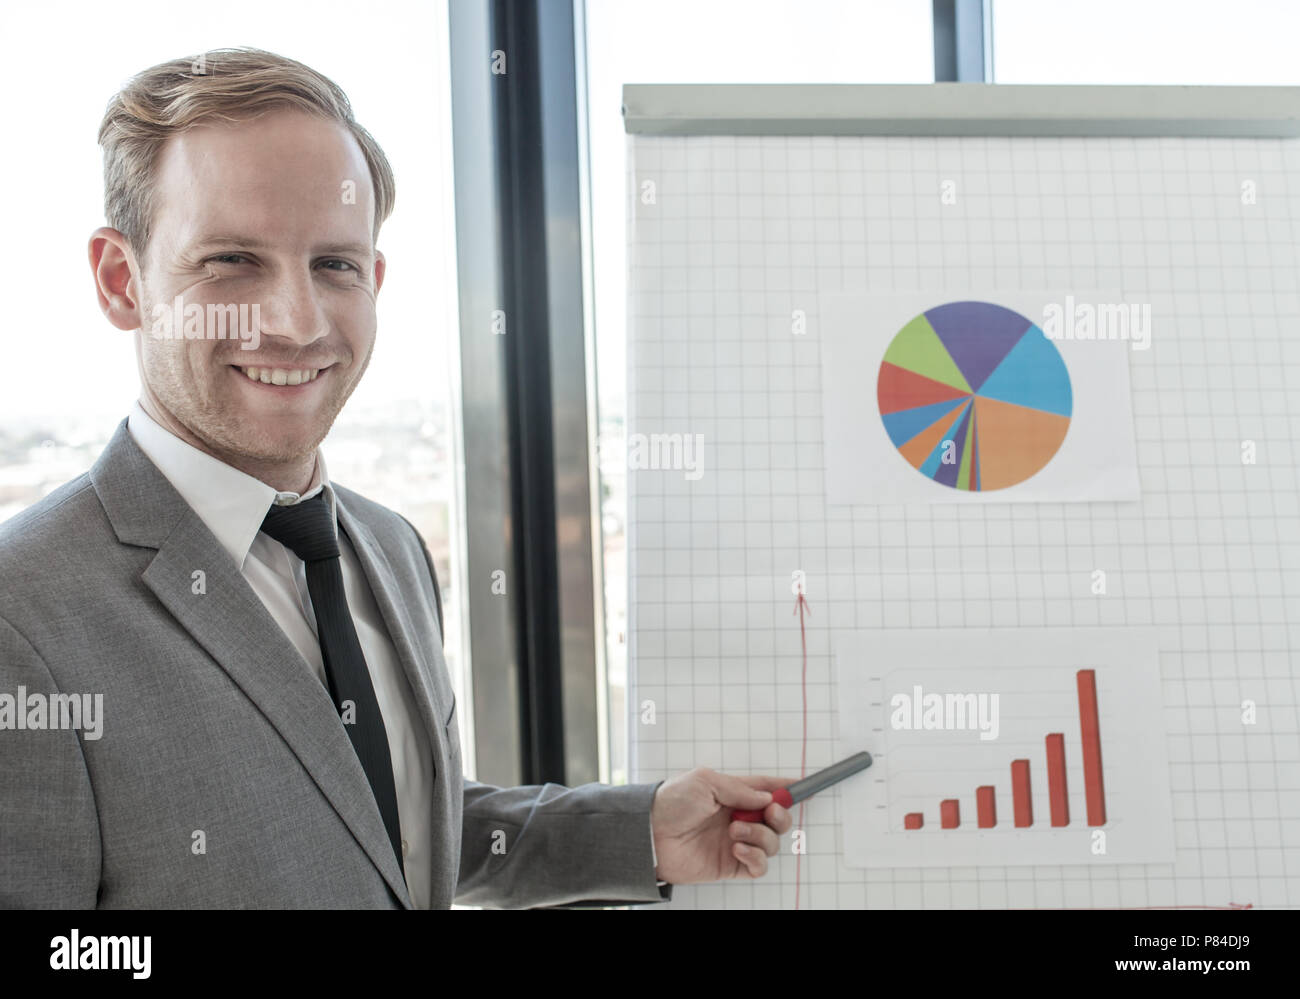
[381,266]
[116,278]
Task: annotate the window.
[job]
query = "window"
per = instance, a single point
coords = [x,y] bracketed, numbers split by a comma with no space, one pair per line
[1247,42]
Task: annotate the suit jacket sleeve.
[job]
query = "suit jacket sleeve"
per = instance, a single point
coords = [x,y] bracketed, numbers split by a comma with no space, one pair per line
[49,830]
[550,845]
[546,845]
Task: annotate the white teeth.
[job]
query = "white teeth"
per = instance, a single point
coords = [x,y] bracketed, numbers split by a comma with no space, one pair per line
[282,376]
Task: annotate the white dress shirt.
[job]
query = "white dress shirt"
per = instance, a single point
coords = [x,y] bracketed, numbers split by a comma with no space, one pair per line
[232,505]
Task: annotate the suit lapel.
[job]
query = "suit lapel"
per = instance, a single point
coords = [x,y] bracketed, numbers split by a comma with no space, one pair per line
[383,584]
[236,630]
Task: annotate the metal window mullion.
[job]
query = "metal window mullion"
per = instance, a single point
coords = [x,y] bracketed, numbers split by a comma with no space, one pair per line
[962,41]
[517,189]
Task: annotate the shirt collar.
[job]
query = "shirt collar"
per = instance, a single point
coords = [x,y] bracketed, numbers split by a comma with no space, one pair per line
[231,503]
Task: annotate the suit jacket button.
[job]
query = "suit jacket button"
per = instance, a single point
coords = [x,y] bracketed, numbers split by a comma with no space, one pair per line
[405,848]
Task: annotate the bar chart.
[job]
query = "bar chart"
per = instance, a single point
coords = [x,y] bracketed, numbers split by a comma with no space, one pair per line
[1021,795]
[1044,746]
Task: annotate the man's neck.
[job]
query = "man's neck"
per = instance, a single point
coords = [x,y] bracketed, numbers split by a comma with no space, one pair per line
[298,476]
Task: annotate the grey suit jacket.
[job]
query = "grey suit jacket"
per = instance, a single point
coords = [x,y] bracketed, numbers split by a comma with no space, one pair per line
[221,776]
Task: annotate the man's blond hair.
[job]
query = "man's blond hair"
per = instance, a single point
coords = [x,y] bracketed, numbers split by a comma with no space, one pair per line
[222,85]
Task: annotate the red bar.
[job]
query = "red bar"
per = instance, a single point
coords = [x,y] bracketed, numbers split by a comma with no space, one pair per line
[1056,779]
[1021,804]
[948,817]
[986,810]
[912,820]
[1090,726]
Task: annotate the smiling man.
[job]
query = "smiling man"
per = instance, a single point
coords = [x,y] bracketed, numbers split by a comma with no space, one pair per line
[277,724]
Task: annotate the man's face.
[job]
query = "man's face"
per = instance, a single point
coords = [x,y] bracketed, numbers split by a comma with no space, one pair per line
[275,213]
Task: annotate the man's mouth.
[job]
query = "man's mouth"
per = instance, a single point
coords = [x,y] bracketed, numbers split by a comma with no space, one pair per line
[280,376]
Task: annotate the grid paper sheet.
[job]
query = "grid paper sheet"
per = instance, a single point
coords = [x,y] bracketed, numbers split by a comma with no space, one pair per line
[731,238]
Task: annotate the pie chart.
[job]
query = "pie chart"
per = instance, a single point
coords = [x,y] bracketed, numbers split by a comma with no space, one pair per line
[974,396]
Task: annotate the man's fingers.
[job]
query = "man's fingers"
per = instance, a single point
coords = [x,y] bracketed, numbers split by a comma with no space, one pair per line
[778,818]
[737,792]
[766,783]
[756,834]
[754,859]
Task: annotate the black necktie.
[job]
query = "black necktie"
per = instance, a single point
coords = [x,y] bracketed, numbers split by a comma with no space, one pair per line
[307,529]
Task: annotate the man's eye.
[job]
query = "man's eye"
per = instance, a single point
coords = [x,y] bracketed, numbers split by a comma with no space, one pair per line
[228,258]
[345,264]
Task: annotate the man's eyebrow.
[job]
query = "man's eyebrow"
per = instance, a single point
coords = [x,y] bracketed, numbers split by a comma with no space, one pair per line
[255,243]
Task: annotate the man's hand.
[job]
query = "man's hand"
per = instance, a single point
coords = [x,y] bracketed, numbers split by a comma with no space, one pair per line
[695,839]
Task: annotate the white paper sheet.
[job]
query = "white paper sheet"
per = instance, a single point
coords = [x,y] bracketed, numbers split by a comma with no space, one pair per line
[1097,460]
[1033,673]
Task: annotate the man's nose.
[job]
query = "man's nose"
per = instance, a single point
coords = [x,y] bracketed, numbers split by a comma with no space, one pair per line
[291,309]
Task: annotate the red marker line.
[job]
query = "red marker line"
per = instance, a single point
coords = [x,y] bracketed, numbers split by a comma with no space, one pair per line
[801,605]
